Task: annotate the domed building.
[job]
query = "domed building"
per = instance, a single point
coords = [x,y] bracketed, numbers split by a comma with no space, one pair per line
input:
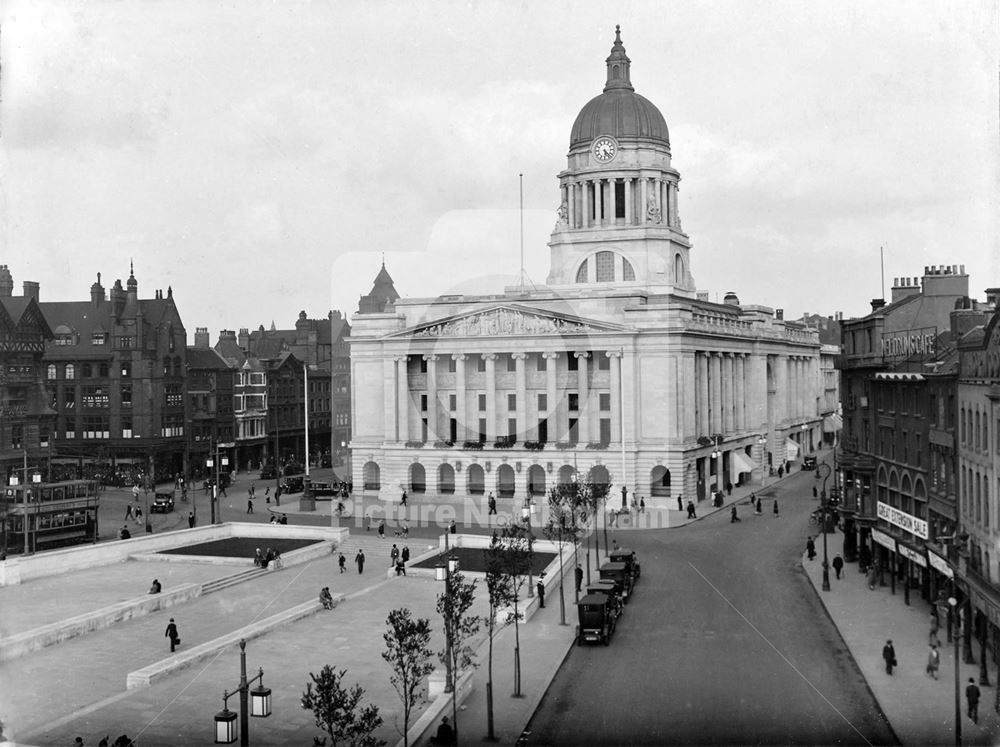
[618,368]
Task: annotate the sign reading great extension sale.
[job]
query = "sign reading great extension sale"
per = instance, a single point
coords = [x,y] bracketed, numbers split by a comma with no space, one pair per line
[903,520]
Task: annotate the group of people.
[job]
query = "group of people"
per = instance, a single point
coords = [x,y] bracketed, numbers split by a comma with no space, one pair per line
[275,519]
[265,558]
[398,559]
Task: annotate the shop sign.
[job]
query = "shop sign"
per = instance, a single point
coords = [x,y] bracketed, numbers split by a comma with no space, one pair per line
[939,564]
[913,555]
[884,539]
[903,520]
[907,343]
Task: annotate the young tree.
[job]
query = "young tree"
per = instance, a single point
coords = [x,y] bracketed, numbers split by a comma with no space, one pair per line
[514,558]
[408,652]
[336,710]
[453,604]
[562,527]
[500,595]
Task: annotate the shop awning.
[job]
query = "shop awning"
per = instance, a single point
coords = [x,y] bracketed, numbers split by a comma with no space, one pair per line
[791,450]
[832,423]
[741,462]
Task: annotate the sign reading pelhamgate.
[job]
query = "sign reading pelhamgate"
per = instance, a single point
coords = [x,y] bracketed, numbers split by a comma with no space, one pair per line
[903,520]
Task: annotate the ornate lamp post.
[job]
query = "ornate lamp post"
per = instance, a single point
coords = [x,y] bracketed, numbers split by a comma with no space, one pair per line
[761,443]
[717,456]
[825,469]
[259,705]
[958,678]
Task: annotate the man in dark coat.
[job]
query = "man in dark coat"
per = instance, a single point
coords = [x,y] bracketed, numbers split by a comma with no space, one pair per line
[579,577]
[889,655]
[972,698]
[838,565]
[173,635]
[360,560]
[811,548]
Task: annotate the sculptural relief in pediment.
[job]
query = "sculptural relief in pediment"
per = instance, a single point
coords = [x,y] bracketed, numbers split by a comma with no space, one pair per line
[504,322]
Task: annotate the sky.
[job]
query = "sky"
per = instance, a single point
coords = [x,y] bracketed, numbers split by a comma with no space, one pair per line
[262,158]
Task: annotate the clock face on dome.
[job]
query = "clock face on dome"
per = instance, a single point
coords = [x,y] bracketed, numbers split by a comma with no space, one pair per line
[604,149]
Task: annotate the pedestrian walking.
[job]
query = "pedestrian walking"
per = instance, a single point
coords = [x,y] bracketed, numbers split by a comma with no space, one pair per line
[128,512]
[680,502]
[838,565]
[729,488]
[815,492]
[138,514]
[540,590]
[972,699]
[492,503]
[758,509]
[872,577]
[775,508]
[173,635]
[190,519]
[642,504]
[393,555]
[733,518]
[933,661]
[935,625]
[402,499]
[360,560]
[810,548]
[579,577]
[452,527]
[691,513]
[381,529]
[342,563]
[889,655]
[250,505]
[405,554]
[781,472]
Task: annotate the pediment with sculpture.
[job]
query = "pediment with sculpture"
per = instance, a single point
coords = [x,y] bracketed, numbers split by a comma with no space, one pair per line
[509,321]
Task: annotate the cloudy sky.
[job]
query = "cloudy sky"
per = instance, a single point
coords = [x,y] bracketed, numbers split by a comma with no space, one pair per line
[262,157]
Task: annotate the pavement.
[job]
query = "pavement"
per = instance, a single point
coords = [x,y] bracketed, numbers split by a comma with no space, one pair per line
[77,688]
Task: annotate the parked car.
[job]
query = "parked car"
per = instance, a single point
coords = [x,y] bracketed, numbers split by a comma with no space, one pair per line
[291,485]
[268,472]
[292,468]
[163,503]
[808,462]
[597,621]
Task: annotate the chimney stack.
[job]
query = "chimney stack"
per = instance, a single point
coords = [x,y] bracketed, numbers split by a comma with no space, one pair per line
[30,289]
[201,339]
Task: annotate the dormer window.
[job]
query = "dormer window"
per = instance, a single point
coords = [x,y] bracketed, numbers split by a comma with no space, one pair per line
[98,338]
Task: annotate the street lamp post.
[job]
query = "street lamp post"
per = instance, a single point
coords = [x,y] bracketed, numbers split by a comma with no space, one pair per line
[214,460]
[958,678]
[825,469]
[717,456]
[259,705]
[761,441]
[526,515]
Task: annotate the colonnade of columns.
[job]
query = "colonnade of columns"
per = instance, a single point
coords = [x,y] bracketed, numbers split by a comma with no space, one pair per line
[800,391]
[724,382]
[593,202]
[468,399]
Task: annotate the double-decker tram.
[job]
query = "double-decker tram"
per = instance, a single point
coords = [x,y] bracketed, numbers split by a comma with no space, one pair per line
[41,516]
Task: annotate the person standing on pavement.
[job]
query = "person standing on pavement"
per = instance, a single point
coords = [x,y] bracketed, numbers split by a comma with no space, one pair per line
[342,563]
[190,519]
[453,527]
[838,565]
[579,577]
[250,505]
[680,502]
[360,560]
[393,555]
[972,699]
[889,656]
[775,508]
[173,635]
[405,555]
[381,529]
[810,548]
[691,513]
[733,518]
[642,504]
[933,661]
[492,503]
[540,590]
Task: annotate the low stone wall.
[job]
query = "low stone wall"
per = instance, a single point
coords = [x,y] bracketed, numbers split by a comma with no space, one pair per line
[426,726]
[49,635]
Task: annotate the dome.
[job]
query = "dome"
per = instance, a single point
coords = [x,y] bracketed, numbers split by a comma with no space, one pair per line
[619,111]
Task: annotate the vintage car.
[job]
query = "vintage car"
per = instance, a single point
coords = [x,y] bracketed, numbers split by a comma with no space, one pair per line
[292,485]
[619,573]
[627,557]
[268,472]
[597,619]
[163,503]
[808,462]
[323,489]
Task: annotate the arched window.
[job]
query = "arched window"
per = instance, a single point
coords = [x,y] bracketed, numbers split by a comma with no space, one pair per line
[581,274]
[50,371]
[678,268]
[627,272]
[536,480]
[70,371]
[371,476]
[505,480]
[476,479]
[605,267]
[659,481]
[446,479]
[418,478]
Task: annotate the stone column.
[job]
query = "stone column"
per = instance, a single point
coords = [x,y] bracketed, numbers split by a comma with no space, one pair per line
[390,402]
[612,201]
[402,400]
[616,394]
[491,397]
[461,429]
[521,391]
[727,393]
[571,206]
[741,392]
[643,199]
[551,400]
[583,423]
[704,410]
[629,203]
[715,394]
[432,397]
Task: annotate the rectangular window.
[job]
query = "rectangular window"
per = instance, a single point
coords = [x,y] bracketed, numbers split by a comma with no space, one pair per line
[572,362]
[603,363]
[423,364]
[543,402]
[482,403]
[511,402]
[543,430]
[126,341]
[96,426]
[173,396]
[94,397]
[126,390]
[452,402]
[574,431]
[511,363]
[172,426]
[423,403]
[574,402]
[543,362]
[512,428]
[423,429]
[238,402]
[452,430]
[98,338]
[16,436]
[605,424]
[452,365]
[605,401]
[482,430]
[481,364]
[126,427]
[69,398]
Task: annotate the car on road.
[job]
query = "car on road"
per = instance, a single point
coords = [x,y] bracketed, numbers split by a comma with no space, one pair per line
[808,463]
[597,620]
[324,489]
[268,472]
[163,503]
[292,485]
[619,574]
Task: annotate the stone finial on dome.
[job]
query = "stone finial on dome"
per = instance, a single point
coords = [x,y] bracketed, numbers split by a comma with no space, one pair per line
[619,75]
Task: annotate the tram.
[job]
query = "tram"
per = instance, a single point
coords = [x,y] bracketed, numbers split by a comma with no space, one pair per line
[58,513]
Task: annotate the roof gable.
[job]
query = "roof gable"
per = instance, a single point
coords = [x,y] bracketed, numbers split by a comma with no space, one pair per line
[509,320]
